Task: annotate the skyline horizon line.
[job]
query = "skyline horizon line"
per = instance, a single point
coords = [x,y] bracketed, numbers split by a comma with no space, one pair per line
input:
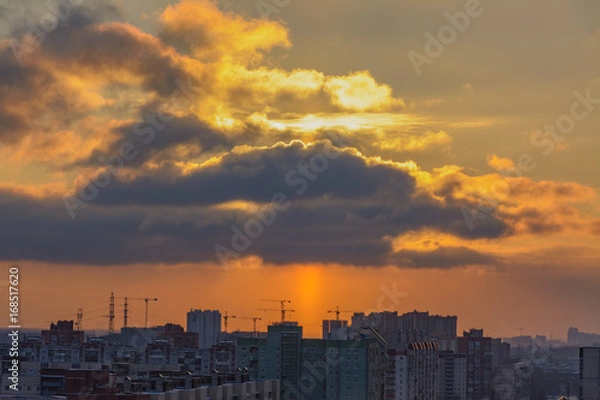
[550,337]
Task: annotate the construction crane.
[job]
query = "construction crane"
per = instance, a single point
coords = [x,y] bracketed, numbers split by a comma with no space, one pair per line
[79,319]
[225,318]
[126,310]
[147,300]
[283,310]
[254,319]
[338,312]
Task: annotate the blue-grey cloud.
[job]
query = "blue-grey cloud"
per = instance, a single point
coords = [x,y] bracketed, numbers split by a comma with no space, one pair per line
[346,214]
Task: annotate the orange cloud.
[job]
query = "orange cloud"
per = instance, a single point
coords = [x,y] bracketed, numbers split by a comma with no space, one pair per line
[429,140]
[212,35]
[360,92]
[499,163]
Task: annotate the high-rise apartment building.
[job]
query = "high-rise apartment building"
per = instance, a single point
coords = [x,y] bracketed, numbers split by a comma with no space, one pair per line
[386,322]
[62,334]
[335,329]
[512,381]
[452,376]
[589,373]
[414,326]
[432,326]
[412,374]
[314,369]
[207,323]
[422,370]
[396,375]
[500,351]
[284,354]
[581,339]
[478,350]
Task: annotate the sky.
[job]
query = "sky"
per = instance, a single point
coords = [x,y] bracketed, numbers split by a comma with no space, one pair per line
[387,155]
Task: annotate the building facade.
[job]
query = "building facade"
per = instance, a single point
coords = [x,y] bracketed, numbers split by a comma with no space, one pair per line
[314,369]
[478,350]
[452,376]
[207,324]
[512,381]
[412,373]
[589,373]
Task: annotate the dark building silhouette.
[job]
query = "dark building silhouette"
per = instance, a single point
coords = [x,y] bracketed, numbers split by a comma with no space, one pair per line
[581,339]
[479,363]
[589,373]
[62,334]
[178,336]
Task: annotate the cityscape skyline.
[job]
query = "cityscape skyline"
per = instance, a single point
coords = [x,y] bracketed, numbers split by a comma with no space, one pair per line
[385,355]
[241,317]
[173,169]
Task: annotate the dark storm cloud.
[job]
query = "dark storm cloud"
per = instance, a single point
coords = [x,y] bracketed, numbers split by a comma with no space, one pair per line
[348,191]
[18,84]
[350,234]
[85,37]
[540,222]
[29,15]
[85,43]
[116,47]
[257,174]
[347,215]
[156,134]
[12,126]
[442,258]
[42,231]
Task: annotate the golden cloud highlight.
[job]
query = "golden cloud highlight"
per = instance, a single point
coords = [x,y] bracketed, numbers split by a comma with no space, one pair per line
[360,92]
[212,35]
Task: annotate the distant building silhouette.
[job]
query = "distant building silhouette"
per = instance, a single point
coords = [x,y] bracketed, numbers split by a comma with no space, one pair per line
[207,324]
[335,329]
[62,334]
[580,339]
[433,326]
[414,326]
[512,381]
